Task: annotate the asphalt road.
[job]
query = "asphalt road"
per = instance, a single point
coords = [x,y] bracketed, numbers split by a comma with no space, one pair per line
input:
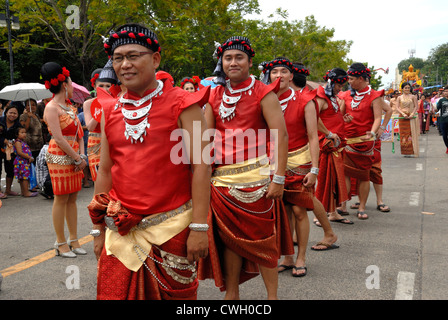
[397,255]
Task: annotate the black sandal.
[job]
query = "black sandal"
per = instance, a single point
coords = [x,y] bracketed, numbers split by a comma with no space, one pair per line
[381,207]
[359,214]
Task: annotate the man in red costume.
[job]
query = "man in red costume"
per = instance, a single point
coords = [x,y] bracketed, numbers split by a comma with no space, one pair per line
[331,187]
[246,224]
[363,109]
[154,210]
[299,109]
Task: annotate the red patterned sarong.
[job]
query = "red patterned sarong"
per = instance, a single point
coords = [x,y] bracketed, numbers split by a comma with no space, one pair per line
[259,238]
[358,160]
[295,192]
[117,282]
[331,189]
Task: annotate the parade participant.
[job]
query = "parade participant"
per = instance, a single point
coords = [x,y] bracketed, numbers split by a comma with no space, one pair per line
[65,157]
[102,78]
[363,108]
[331,187]
[299,85]
[376,176]
[247,226]
[407,107]
[191,84]
[154,206]
[303,156]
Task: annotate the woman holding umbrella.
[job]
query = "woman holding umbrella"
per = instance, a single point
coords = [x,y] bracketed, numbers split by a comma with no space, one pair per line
[65,157]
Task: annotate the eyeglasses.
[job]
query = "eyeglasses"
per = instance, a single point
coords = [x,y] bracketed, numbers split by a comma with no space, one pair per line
[130,57]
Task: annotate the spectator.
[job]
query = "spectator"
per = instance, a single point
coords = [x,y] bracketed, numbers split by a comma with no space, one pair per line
[9,122]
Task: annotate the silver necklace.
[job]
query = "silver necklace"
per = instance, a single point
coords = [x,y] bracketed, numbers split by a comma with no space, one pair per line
[284,102]
[228,113]
[70,112]
[359,97]
[335,104]
[136,131]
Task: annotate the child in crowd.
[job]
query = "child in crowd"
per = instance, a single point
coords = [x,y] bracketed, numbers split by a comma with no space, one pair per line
[22,162]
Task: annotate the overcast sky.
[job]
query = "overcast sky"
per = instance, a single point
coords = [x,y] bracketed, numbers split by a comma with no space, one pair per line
[382,33]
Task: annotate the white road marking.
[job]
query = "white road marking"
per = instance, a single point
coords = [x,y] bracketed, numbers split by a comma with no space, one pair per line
[413,199]
[419,166]
[405,286]
[422,150]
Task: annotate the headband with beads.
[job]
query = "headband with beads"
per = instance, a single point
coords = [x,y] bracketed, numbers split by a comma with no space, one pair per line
[238,44]
[358,73]
[301,70]
[333,77]
[278,63]
[59,79]
[129,37]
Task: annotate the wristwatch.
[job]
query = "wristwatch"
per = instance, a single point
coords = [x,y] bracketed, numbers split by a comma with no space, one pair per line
[314,170]
[95,233]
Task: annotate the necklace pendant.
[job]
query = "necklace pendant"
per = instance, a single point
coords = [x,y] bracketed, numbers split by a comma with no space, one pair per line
[226,113]
[250,92]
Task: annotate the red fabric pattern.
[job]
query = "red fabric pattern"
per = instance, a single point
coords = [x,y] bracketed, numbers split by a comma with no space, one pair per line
[258,238]
[116,282]
[331,189]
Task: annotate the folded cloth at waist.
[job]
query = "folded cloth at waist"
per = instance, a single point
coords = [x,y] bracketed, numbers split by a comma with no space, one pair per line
[108,212]
[130,233]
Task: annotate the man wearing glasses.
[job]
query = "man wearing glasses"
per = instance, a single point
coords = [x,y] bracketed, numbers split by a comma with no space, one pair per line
[149,214]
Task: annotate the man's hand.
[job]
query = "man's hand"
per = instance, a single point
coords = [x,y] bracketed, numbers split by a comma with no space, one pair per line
[197,246]
[98,244]
[275,191]
[309,180]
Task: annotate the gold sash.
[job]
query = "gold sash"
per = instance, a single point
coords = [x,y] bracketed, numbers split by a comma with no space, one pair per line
[122,247]
[299,157]
[248,174]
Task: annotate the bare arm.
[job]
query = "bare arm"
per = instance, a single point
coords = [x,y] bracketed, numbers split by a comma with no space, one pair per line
[388,113]
[272,113]
[91,123]
[192,119]
[311,128]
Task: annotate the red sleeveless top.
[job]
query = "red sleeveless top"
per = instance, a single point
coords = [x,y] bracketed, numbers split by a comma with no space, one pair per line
[333,120]
[246,135]
[146,177]
[362,115]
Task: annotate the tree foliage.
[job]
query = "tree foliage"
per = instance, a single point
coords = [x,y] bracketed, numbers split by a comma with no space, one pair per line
[187,31]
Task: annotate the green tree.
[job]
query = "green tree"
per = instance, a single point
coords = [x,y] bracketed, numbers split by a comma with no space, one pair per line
[417,63]
[299,40]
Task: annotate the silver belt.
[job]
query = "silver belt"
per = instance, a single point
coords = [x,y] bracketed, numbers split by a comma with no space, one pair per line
[61,160]
[95,134]
[152,221]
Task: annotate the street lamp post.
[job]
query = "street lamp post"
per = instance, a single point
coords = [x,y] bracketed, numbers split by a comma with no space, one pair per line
[8,25]
[9,22]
